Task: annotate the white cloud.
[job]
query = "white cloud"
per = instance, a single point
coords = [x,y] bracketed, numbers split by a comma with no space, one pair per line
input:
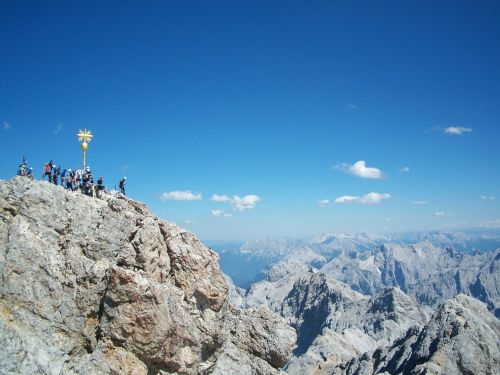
[457,130]
[217,212]
[6,126]
[405,169]
[238,203]
[58,129]
[359,169]
[247,202]
[180,196]
[189,221]
[370,198]
[420,202]
[491,224]
[373,198]
[441,213]
[324,202]
[488,197]
[220,213]
[220,198]
[347,199]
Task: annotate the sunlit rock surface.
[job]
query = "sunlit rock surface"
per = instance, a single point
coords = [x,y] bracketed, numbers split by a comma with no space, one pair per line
[93,286]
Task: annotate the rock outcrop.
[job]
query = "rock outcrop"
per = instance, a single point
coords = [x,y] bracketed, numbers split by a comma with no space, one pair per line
[334,323]
[338,324]
[93,286]
[462,337]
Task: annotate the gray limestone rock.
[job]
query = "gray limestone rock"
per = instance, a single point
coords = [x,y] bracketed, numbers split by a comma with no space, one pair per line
[462,337]
[341,331]
[101,286]
[424,271]
[333,322]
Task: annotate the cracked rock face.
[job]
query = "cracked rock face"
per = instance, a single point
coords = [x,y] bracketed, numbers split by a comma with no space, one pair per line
[341,331]
[462,337]
[335,323]
[102,286]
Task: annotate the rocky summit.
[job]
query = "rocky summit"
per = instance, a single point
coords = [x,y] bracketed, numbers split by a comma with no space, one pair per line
[102,286]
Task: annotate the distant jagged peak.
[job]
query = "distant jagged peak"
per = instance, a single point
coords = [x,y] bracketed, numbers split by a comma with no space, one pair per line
[461,337]
[287,267]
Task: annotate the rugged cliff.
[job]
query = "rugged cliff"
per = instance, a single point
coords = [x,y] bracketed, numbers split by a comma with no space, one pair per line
[341,331]
[462,337]
[102,286]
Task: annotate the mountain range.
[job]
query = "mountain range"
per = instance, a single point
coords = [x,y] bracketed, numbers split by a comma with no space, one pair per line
[102,286]
[360,310]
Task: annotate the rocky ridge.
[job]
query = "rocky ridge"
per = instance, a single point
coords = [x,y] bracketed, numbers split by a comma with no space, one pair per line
[462,337]
[334,323]
[341,331]
[428,273]
[102,286]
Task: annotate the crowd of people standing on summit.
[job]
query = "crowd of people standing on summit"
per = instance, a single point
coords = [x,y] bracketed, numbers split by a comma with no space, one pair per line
[74,180]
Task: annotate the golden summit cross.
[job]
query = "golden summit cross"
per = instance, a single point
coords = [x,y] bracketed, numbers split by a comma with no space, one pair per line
[84,136]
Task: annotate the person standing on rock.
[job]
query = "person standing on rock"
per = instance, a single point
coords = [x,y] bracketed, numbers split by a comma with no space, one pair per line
[29,173]
[46,172]
[99,188]
[56,171]
[78,179]
[63,177]
[84,180]
[22,167]
[121,184]
[53,175]
[69,181]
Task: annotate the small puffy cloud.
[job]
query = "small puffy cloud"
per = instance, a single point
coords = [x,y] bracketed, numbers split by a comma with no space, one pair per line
[220,198]
[217,212]
[487,197]
[405,169]
[324,202]
[373,198]
[359,169]
[177,195]
[347,199]
[441,213]
[370,198]
[220,213]
[247,202]
[238,203]
[457,130]
[189,221]
[58,129]
[6,126]
[420,202]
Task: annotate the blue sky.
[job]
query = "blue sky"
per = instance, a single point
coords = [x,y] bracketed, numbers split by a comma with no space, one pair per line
[271,104]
